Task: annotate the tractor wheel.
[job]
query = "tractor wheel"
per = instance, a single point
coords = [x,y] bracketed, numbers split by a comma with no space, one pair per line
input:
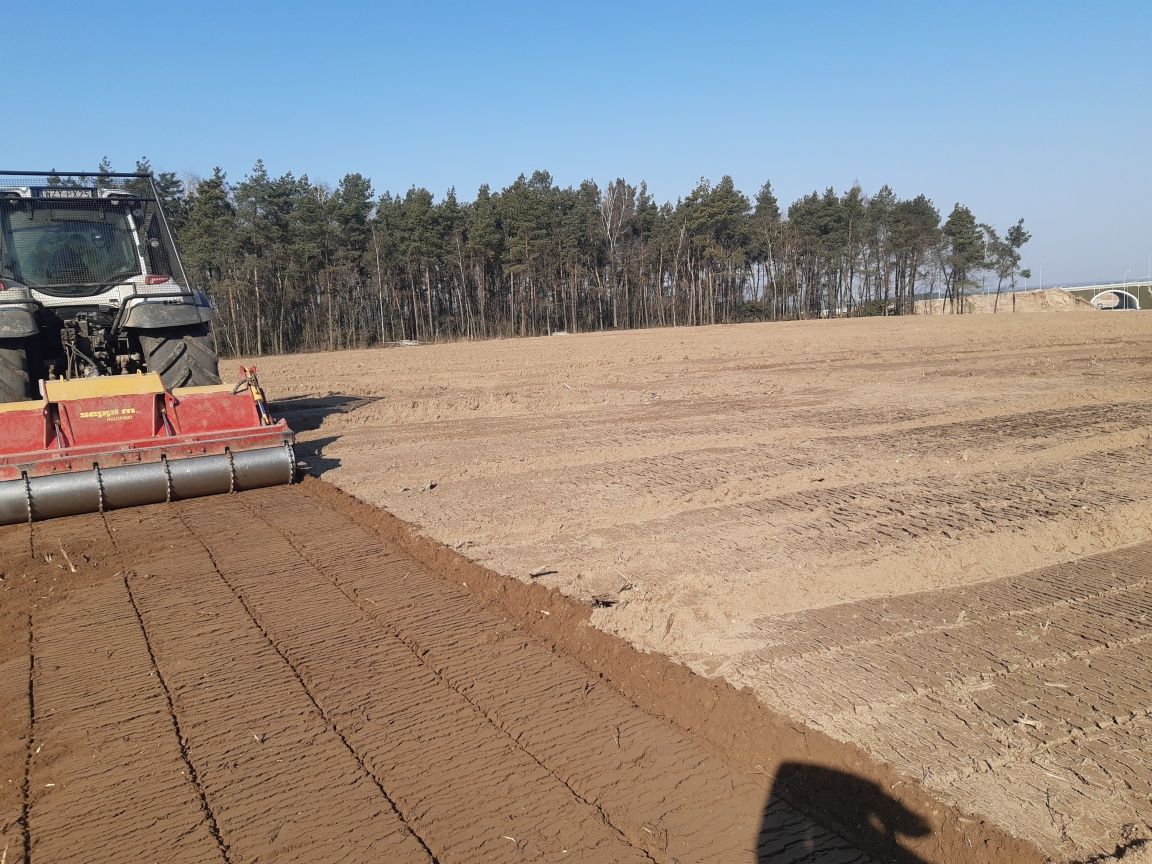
[184,356]
[14,380]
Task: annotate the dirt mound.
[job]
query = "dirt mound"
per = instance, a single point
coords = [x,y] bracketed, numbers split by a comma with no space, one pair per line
[1044,300]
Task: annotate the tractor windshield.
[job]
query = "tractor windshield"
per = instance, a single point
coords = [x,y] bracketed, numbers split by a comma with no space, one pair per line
[67,247]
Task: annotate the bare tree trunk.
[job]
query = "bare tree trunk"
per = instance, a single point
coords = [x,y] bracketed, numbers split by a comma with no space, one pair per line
[331,323]
[379,283]
[428,291]
[259,313]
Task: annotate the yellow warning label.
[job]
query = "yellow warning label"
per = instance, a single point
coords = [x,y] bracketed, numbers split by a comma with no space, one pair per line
[108,414]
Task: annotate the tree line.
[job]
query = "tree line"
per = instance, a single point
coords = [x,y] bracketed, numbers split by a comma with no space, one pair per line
[294,265]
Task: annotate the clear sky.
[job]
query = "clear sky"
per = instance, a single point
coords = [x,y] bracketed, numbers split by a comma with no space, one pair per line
[1041,110]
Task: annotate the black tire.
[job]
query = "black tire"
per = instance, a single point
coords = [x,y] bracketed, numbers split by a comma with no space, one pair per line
[15,384]
[184,356]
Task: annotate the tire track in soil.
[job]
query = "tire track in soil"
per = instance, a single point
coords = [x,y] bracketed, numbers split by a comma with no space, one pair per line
[936,522]
[865,516]
[1027,696]
[961,660]
[586,734]
[709,475]
[807,635]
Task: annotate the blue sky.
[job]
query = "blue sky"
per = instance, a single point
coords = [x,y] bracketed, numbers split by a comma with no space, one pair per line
[1040,110]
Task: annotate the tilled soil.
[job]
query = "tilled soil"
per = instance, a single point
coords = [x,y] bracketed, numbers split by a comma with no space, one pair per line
[925,536]
[1034,687]
[262,678]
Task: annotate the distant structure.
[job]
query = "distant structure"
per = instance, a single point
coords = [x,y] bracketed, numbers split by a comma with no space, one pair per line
[1116,295]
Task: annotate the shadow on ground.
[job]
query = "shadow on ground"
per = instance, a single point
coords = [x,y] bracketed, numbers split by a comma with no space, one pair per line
[311,454]
[862,812]
[305,413]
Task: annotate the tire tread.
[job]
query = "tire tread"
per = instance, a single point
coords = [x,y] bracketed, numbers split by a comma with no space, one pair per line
[15,382]
[184,356]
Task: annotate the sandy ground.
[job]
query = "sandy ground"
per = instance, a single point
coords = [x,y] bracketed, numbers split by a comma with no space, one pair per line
[908,533]
[1044,300]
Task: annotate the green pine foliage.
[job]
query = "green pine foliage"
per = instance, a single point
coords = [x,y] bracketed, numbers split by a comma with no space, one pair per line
[294,265]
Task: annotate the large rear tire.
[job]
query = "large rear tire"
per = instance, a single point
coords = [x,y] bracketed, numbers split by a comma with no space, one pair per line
[14,380]
[184,356]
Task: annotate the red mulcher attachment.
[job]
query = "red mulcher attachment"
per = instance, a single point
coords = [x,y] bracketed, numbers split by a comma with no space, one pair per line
[96,444]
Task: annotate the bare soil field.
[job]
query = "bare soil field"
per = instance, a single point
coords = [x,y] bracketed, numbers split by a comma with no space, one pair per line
[262,677]
[928,537]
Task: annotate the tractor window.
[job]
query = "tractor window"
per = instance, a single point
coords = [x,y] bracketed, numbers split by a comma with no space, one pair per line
[74,249]
[155,249]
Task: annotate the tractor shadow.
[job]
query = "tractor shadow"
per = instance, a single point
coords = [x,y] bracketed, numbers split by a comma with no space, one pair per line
[311,455]
[307,414]
[858,810]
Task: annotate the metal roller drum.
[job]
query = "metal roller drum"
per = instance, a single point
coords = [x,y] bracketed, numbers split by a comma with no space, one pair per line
[13,503]
[130,485]
[148,483]
[49,497]
[272,466]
